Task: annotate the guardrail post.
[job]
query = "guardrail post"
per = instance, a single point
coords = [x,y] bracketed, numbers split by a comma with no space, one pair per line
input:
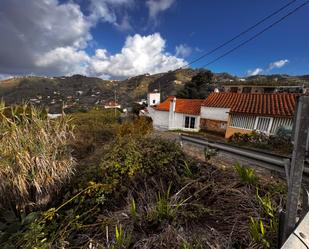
[301,127]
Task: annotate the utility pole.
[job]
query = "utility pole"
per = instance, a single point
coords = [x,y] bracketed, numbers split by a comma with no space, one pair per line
[115,92]
[301,133]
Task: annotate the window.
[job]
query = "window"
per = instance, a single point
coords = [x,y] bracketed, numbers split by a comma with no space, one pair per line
[189,122]
[154,101]
[263,124]
[234,89]
[247,89]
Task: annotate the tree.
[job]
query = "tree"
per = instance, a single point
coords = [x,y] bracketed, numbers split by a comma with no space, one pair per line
[199,87]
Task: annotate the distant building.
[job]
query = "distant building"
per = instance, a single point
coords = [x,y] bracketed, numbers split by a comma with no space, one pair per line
[112,105]
[153,98]
[250,88]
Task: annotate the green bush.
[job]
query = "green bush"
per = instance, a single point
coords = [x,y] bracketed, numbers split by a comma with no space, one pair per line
[280,143]
[92,129]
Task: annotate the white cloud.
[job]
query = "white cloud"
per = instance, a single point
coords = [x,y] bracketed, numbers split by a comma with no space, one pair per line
[140,54]
[157,6]
[125,24]
[6,76]
[254,72]
[49,38]
[64,60]
[183,50]
[278,64]
[40,28]
[105,10]
[271,66]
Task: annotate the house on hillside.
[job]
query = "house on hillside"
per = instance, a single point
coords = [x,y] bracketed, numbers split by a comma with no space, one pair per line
[240,112]
[176,114]
[263,88]
[153,98]
[112,104]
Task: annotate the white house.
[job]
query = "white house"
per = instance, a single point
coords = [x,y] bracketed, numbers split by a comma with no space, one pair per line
[176,114]
[153,98]
[112,105]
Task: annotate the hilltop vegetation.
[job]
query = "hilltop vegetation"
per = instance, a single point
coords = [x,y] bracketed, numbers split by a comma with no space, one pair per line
[132,190]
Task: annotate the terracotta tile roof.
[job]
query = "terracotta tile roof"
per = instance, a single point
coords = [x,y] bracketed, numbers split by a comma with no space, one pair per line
[267,104]
[187,106]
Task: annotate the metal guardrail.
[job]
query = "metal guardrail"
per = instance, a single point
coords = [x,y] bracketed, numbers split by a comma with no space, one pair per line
[300,236]
[267,160]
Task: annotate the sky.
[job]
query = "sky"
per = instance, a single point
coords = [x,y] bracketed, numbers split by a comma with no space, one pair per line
[116,39]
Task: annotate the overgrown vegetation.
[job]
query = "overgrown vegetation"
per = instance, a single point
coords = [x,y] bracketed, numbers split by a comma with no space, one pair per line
[280,143]
[35,157]
[131,190]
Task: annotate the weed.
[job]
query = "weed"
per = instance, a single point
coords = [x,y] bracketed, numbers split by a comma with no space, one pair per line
[122,238]
[258,232]
[208,152]
[133,210]
[187,170]
[164,208]
[268,209]
[247,175]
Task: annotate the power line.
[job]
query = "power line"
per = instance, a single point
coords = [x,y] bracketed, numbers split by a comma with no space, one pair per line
[241,33]
[258,34]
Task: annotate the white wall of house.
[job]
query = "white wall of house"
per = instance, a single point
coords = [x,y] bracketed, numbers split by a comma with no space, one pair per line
[171,120]
[160,119]
[178,122]
[153,99]
[214,113]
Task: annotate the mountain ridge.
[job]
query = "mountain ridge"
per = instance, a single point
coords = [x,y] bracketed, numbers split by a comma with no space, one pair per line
[82,92]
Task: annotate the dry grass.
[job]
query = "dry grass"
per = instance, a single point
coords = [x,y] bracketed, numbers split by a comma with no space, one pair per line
[35,159]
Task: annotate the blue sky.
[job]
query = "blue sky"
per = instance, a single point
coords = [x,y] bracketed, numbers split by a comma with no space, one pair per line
[123,38]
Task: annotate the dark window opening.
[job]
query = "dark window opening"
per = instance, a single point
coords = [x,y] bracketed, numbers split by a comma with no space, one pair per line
[234,89]
[247,89]
[190,122]
[187,120]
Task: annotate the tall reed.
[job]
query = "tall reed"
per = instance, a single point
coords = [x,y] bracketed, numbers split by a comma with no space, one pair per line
[34,156]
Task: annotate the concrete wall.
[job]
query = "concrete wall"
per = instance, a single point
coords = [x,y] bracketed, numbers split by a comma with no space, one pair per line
[214,113]
[159,119]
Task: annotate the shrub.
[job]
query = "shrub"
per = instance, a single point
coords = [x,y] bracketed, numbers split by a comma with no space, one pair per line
[35,158]
[281,142]
[139,127]
[92,128]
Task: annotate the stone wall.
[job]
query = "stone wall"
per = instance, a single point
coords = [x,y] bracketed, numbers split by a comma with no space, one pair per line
[213,125]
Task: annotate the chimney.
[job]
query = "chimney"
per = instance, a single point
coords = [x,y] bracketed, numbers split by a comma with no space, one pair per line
[171,117]
[173,104]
